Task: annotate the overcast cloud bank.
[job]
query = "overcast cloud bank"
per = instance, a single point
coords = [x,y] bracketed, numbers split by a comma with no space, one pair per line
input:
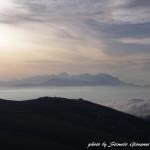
[136,107]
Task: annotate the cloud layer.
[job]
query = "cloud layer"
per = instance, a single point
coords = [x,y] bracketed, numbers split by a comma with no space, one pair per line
[137,107]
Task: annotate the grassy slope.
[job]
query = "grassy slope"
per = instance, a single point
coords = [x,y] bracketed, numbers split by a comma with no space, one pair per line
[57,123]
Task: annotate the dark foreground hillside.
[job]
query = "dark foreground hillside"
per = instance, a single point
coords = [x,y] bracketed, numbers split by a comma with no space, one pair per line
[62,124]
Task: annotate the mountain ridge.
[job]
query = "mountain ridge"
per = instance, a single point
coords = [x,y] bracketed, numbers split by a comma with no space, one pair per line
[64,79]
[70,124]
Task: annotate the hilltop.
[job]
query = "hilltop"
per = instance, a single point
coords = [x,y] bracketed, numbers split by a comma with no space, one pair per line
[59,123]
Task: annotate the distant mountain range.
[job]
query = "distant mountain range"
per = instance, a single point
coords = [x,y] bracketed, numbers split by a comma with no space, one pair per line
[63,79]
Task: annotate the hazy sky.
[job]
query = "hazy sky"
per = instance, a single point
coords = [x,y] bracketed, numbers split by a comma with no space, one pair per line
[39,37]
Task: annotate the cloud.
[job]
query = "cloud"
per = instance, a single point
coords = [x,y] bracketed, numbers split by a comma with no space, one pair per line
[89,35]
[123,47]
[109,12]
[53,11]
[137,107]
[134,41]
[126,30]
[67,19]
[95,18]
[136,4]
[119,49]
[145,65]
[126,11]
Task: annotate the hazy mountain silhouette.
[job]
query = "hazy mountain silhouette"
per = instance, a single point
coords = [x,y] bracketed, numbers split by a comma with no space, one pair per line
[59,123]
[63,79]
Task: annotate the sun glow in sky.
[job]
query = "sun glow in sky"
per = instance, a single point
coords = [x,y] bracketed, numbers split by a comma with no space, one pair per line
[46,37]
[8,36]
[4,4]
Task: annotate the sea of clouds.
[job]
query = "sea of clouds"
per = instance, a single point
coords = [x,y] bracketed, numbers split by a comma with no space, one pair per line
[136,107]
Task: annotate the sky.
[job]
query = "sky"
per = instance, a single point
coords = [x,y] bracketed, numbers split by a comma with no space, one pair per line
[41,37]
